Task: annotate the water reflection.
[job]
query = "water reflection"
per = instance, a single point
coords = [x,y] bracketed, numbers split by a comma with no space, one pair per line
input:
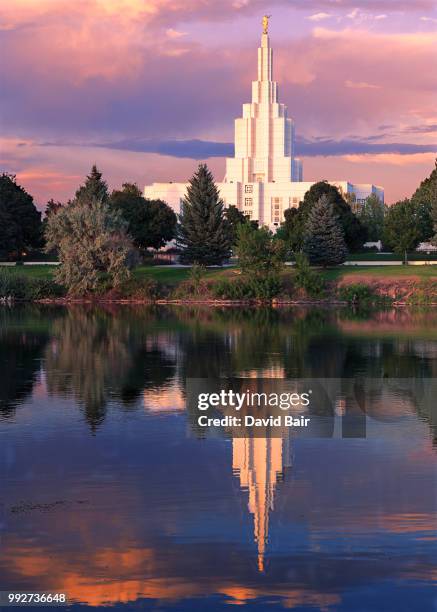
[144,509]
[259,463]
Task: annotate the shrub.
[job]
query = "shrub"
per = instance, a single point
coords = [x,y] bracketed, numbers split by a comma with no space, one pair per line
[306,278]
[12,285]
[263,288]
[259,252]
[144,289]
[92,242]
[229,290]
[21,287]
[359,294]
[196,276]
[194,286]
[43,288]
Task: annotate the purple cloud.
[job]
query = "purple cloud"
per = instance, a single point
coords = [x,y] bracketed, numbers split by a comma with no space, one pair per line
[205,149]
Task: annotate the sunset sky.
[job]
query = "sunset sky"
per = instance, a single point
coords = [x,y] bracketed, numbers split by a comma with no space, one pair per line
[146,88]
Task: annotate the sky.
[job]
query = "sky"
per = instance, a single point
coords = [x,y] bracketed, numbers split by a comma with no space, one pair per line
[148,88]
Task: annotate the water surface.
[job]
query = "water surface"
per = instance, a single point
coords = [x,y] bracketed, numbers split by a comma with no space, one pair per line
[110,493]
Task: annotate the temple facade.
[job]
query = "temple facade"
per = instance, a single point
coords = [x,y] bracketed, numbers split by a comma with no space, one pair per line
[264,177]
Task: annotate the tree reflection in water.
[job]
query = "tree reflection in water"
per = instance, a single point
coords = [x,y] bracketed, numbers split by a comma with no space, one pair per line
[133,525]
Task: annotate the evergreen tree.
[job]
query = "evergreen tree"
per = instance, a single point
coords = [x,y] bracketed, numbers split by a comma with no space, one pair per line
[95,189]
[324,242]
[354,232]
[52,207]
[20,221]
[203,232]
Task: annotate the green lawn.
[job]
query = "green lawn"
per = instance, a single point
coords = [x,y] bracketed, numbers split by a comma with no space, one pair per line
[424,272]
[173,276]
[391,257]
[165,274]
[31,271]
[169,275]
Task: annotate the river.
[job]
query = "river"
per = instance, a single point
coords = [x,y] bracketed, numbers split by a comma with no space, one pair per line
[112,495]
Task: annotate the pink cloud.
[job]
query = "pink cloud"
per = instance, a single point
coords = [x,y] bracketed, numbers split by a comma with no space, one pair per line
[97,70]
[361,85]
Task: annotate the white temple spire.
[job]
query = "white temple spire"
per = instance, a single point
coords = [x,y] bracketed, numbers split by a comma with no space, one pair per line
[265,59]
[263,178]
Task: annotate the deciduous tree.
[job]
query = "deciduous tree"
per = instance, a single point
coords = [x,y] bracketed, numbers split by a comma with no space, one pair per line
[404,226]
[91,240]
[150,223]
[235,217]
[371,216]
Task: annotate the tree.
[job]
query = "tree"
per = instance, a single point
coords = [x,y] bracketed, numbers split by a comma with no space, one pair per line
[235,217]
[150,223]
[324,242]
[292,229]
[405,226]
[354,233]
[371,216]
[91,240]
[427,190]
[95,189]
[425,197]
[203,232]
[52,207]
[20,221]
[259,252]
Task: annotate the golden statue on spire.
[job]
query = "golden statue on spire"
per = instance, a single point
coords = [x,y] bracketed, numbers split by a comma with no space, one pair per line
[265,23]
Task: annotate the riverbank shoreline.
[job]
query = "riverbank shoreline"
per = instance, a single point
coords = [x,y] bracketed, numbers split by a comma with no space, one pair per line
[274,303]
[230,287]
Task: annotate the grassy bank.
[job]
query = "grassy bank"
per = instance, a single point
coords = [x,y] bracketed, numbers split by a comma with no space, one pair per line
[173,276]
[401,284]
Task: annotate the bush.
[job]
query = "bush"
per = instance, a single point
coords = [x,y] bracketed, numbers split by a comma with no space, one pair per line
[91,240]
[43,288]
[229,290]
[144,289]
[262,288]
[12,285]
[196,276]
[359,294]
[306,278]
[21,287]
[259,252]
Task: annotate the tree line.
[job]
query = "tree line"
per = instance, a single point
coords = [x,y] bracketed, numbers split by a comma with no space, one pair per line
[99,233]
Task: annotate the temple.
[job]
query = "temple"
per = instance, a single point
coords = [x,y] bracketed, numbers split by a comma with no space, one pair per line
[264,177]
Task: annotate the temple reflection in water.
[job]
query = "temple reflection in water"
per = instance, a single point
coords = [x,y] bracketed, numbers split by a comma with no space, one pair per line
[126,500]
[259,463]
